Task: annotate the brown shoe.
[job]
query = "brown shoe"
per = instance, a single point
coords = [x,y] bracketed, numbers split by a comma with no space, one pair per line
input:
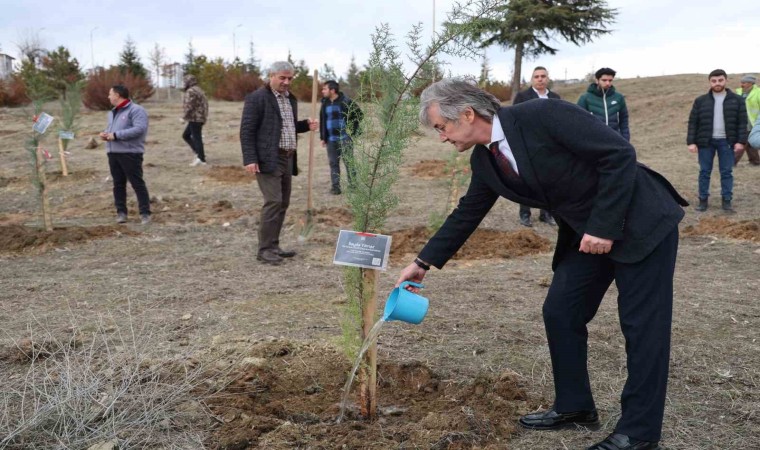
[269,257]
[285,253]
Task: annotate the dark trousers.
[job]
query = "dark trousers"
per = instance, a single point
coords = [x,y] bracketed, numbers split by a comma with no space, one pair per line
[275,187]
[128,167]
[336,150]
[645,307]
[525,212]
[194,138]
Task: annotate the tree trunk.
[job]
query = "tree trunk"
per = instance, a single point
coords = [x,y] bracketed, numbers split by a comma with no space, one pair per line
[368,370]
[517,69]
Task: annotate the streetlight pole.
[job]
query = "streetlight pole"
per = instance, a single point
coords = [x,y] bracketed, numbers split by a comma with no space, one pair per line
[92,50]
[234,46]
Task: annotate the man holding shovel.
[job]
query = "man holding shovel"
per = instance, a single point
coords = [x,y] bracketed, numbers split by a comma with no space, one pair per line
[268,130]
[618,220]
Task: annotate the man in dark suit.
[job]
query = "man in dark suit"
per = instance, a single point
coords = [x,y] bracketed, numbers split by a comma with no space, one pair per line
[268,139]
[618,220]
[539,89]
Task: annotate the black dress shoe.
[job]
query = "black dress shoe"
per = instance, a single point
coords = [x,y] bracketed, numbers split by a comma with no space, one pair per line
[546,218]
[269,257]
[552,420]
[617,441]
[285,253]
[525,221]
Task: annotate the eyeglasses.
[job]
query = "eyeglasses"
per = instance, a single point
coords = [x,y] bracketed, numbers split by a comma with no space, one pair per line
[441,128]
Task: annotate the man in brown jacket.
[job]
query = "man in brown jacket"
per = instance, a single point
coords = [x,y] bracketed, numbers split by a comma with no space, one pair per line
[195,108]
[268,129]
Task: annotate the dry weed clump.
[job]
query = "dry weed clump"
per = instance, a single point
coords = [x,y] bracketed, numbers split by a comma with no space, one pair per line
[102,387]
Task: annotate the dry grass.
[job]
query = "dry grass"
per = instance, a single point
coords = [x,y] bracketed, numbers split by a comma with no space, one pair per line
[101,386]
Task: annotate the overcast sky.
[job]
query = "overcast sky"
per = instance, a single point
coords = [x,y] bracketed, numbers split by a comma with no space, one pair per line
[651,37]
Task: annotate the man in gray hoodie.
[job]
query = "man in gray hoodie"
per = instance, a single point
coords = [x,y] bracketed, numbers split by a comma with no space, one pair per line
[125,146]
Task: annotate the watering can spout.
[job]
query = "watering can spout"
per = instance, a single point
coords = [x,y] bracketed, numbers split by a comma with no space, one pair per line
[405,305]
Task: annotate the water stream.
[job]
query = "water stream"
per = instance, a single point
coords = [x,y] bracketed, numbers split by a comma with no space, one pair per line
[371,337]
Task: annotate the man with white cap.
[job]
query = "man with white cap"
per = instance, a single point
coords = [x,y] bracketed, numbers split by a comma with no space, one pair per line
[751,96]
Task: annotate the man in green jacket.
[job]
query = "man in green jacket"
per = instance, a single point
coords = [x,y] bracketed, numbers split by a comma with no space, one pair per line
[604,102]
[751,95]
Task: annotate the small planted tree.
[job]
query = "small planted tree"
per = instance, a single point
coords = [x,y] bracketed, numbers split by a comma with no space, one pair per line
[38,93]
[71,102]
[387,130]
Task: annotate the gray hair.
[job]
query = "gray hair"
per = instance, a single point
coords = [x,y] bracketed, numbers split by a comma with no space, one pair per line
[453,96]
[280,66]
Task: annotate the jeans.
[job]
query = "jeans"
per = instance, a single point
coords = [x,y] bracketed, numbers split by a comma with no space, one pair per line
[335,150]
[128,166]
[194,138]
[725,164]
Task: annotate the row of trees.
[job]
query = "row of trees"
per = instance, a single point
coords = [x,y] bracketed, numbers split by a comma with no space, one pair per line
[526,26]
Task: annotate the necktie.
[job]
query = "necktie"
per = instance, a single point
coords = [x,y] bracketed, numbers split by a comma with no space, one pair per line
[502,161]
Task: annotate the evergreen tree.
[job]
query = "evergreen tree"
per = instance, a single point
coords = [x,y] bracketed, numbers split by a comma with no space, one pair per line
[129,60]
[252,64]
[35,82]
[327,73]
[529,26]
[189,66]
[485,72]
[353,79]
[60,70]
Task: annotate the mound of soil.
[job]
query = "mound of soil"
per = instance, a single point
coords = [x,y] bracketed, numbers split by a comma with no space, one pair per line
[183,211]
[15,238]
[430,169]
[483,244]
[76,175]
[288,396]
[333,216]
[229,174]
[748,230]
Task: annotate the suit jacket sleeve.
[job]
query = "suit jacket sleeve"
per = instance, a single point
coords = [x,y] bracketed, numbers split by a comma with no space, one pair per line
[613,158]
[519,98]
[460,224]
[253,112]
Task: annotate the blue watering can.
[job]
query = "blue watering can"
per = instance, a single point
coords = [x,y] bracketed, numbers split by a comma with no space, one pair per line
[405,305]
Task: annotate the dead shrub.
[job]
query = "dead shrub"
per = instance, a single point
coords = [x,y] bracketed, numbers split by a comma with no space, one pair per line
[500,90]
[13,92]
[95,94]
[236,85]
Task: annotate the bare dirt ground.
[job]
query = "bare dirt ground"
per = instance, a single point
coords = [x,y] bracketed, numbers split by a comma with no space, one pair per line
[268,338]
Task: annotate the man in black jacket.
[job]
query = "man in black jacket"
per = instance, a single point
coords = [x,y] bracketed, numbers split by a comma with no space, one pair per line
[339,120]
[539,89]
[717,124]
[268,130]
[618,220]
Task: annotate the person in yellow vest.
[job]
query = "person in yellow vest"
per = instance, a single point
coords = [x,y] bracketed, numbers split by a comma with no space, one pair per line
[751,94]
